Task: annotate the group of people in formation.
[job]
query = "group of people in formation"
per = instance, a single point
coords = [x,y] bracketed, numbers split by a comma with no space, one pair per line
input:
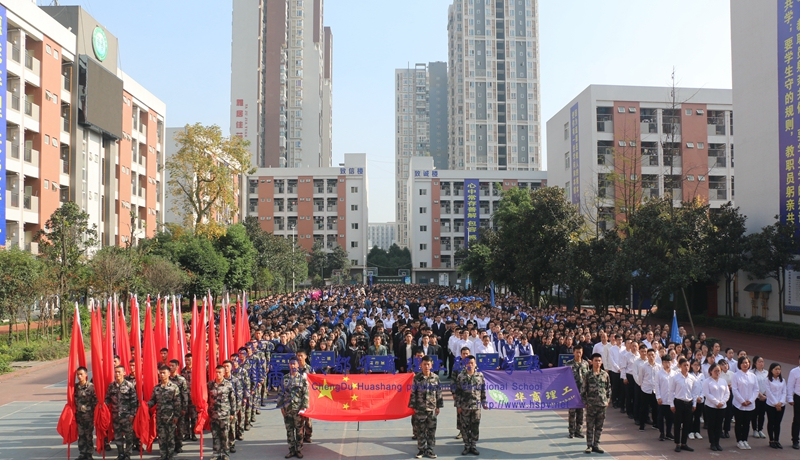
[619,361]
[677,392]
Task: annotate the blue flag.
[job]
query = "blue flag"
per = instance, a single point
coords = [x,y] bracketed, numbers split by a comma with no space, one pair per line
[492,292]
[674,337]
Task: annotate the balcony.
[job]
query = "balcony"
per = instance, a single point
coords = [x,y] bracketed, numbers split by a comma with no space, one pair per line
[717,162]
[673,161]
[648,127]
[143,129]
[31,156]
[718,194]
[32,247]
[605,159]
[12,199]
[66,83]
[650,193]
[278,208]
[16,54]
[14,100]
[330,189]
[318,190]
[32,110]
[677,194]
[32,64]
[30,203]
[278,190]
[445,229]
[12,150]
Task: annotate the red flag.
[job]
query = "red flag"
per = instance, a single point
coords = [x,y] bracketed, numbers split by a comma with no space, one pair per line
[123,342]
[67,427]
[229,333]
[149,372]
[212,344]
[102,357]
[199,382]
[174,346]
[141,423]
[223,335]
[246,322]
[160,338]
[359,397]
[182,336]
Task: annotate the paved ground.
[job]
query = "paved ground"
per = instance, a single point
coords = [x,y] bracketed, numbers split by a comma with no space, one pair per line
[31,401]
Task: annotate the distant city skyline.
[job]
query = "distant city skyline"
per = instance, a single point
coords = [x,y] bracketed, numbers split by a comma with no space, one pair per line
[582,42]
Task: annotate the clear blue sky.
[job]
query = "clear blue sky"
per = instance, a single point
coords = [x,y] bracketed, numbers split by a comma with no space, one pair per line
[180,51]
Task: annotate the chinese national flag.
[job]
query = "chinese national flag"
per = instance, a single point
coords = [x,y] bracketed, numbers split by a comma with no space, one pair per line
[359,398]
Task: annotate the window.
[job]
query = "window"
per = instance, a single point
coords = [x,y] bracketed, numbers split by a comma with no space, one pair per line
[688,112]
[354,244]
[423,210]
[423,191]
[353,189]
[423,265]
[354,207]
[423,228]
[354,225]
[622,143]
[690,178]
[621,109]
[566,160]
[701,178]
[353,262]
[46,184]
[632,109]
[566,131]
[701,145]
[690,145]
[699,111]
[423,247]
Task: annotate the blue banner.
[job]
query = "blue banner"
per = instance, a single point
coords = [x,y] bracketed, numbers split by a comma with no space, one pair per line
[574,153]
[546,390]
[472,215]
[788,143]
[3,107]
[376,363]
[487,361]
[563,358]
[323,359]
[280,361]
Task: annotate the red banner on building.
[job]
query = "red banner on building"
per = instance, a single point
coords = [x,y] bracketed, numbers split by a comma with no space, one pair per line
[358,398]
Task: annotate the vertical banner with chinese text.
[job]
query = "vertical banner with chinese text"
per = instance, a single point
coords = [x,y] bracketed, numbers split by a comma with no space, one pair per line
[788,144]
[3,75]
[574,154]
[472,217]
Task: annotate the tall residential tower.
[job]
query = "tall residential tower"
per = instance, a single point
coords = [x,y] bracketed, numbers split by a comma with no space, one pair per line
[494,100]
[284,107]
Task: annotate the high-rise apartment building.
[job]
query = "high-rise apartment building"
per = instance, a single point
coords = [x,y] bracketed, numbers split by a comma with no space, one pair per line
[281,82]
[76,128]
[494,98]
[420,127]
[382,235]
[614,146]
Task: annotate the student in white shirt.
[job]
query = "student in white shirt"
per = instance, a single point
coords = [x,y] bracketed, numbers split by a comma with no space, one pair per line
[647,381]
[757,421]
[697,392]
[745,392]
[726,374]
[664,421]
[793,395]
[716,394]
[777,398]
[681,388]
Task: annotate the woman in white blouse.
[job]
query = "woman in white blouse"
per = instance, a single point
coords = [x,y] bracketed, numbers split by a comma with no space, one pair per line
[697,393]
[716,393]
[761,402]
[776,401]
[744,387]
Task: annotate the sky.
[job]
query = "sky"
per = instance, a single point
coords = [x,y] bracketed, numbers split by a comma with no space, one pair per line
[180,51]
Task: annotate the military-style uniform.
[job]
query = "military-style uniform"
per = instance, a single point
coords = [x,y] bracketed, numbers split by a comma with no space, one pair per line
[426,397]
[221,404]
[180,429]
[85,402]
[308,428]
[190,420]
[167,398]
[132,379]
[579,371]
[595,391]
[255,367]
[293,398]
[122,401]
[469,396]
[265,348]
[241,380]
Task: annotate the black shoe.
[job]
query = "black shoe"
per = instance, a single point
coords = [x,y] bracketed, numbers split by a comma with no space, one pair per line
[232,449]
[579,435]
[474,451]
[796,446]
[194,437]
[641,429]
[669,438]
[414,438]
[298,454]
[713,447]
[677,447]
[289,455]
[430,454]
[725,435]
[661,438]
[419,454]
[465,451]
[588,450]
[778,445]
[307,441]
[772,444]
[719,448]
[630,416]
[178,450]
[687,448]
[598,450]
[571,436]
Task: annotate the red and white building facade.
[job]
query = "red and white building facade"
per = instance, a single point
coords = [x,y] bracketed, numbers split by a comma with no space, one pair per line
[77,129]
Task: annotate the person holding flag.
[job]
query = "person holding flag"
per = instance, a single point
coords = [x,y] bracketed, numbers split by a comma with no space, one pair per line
[293,398]
[166,398]
[123,402]
[221,406]
[182,384]
[85,402]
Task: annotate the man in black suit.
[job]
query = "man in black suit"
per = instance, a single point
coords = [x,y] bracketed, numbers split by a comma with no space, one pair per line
[438,327]
[404,351]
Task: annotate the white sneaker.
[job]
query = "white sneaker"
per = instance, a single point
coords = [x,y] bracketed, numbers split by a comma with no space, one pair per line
[746,445]
[761,434]
[740,445]
[698,436]
[691,435]
[755,434]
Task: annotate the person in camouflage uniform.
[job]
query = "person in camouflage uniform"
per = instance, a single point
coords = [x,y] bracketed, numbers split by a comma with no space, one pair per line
[85,402]
[305,368]
[167,397]
[221,404]
[426,400]
[596,395]
[246,364]
[183,385]
[255,365]
[469,396]
[122,401]
[465,352]
[242,396]
[292,398]
[265,348]
[190,420]
[579,370]
[237,390]
[132,379]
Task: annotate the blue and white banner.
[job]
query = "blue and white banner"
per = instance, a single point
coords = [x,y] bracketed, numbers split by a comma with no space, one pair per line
[472,216]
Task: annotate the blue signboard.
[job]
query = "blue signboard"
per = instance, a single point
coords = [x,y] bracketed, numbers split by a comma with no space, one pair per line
[376,363]
[528,362]
[280,361]
[487,361]
[788,144]
[323,359]
[563,358]
[574,153]
[472,216]
[3,105]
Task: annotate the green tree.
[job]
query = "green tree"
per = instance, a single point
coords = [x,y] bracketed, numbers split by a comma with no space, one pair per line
[608,284]
[772,251]
[477,261]
[276,254]
[207,268]
[19,274]
[113,269]
[64,243]
[202,177]
[573,270]
[337,259]
[162,276]
[318,262]
[235,246]
[726,246]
